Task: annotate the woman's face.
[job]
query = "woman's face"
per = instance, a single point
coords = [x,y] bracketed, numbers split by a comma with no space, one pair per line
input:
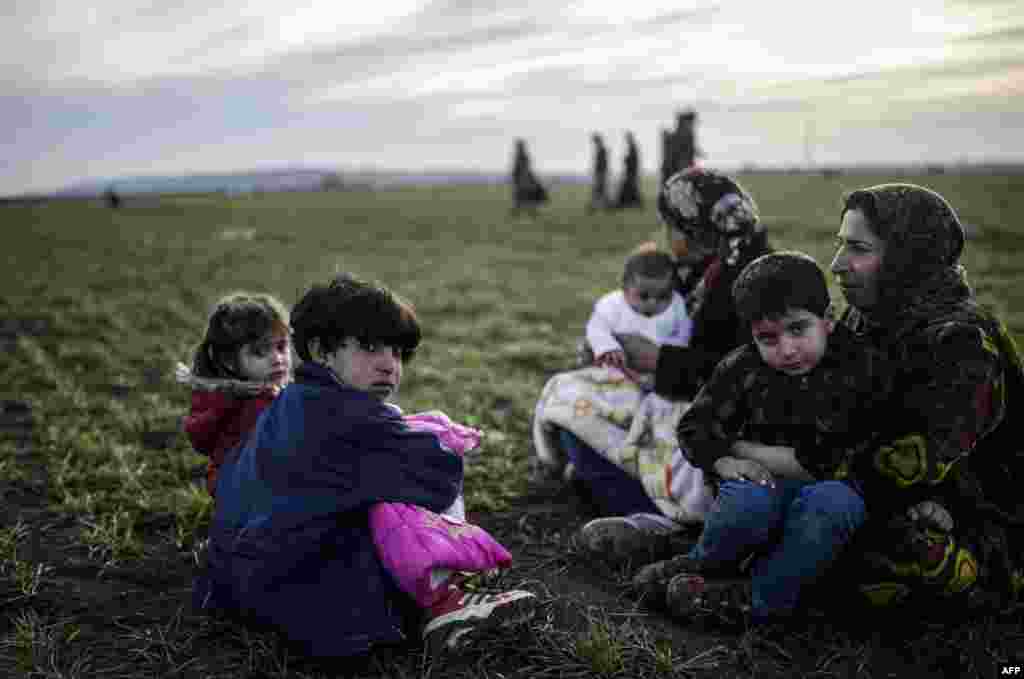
[858,260]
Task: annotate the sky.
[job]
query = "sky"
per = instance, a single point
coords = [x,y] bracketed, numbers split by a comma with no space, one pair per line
[92,90]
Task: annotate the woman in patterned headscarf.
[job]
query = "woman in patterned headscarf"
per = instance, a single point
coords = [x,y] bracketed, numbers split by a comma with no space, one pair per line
[943,488]
[713,232]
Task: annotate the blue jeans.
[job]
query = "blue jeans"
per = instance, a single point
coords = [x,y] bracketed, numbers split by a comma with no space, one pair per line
[797,530]
[613,490]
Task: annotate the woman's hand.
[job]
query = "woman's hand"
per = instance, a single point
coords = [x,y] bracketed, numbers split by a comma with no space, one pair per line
[641,353]
[737,469]
[931,515]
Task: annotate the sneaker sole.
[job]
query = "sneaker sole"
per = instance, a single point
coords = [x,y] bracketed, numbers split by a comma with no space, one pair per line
[457,629]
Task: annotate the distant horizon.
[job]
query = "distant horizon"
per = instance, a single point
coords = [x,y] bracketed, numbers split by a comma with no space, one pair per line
[95,186]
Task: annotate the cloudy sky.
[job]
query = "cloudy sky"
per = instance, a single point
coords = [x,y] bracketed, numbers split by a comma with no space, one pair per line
[95,89]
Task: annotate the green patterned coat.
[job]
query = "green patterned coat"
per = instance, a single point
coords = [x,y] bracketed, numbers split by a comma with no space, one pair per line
[941,483]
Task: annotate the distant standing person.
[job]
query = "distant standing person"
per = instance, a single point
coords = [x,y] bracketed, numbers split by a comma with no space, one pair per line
[111,198]
[527,191]
[629,189]
[679,146]
[599,190]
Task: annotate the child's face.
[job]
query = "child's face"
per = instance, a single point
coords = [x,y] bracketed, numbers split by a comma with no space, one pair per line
[373,368]
[648,296]
[793,343]
[268,360]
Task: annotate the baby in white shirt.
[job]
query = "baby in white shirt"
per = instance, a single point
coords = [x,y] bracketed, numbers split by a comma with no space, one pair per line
[646,305]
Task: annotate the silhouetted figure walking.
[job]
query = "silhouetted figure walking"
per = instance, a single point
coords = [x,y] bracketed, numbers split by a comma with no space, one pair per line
[629,189]
[527,191]
[599,190]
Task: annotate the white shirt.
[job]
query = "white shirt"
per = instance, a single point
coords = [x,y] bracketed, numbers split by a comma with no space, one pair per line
[613,315]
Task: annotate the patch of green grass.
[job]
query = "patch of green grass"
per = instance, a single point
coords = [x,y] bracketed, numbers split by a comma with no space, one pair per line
[39,647]
[99,304]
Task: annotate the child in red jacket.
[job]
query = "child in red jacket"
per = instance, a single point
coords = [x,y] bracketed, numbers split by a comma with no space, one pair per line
[243,362]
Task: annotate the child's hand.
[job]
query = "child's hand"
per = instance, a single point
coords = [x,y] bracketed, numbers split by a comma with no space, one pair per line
[273,389]
[613,359]
[737,469]
[617,359]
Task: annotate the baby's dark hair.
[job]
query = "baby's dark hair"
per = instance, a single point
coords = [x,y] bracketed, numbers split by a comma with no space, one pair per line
[647,260]
[775,283]
[237,319]
[349,307]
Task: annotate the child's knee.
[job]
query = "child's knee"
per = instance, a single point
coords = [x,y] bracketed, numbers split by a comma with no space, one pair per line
[746,504]
[837,501]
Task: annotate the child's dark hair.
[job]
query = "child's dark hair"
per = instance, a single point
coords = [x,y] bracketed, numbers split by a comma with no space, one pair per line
[773,284]
[647,260]
[350,307]
[237,319]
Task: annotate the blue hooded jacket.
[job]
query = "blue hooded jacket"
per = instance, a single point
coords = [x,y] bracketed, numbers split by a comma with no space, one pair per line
[290,543]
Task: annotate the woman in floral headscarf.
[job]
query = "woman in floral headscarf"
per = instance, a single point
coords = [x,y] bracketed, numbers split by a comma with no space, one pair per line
[713,231]
[943,488]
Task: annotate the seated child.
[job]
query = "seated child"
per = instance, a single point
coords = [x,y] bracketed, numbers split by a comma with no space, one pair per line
[774,426]
[647,304]
[243,362]
[328,506]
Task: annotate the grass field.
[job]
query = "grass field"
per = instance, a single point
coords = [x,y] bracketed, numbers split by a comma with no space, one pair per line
[101,497]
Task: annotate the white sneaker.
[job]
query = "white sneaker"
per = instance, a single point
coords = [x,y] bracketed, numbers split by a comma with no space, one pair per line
[461,617]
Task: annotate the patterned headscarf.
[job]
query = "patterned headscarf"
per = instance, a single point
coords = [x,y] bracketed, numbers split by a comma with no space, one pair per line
[923,241]
[710,208]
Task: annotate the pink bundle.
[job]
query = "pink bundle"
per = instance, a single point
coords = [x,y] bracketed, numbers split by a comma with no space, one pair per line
[422,549]
[454,437]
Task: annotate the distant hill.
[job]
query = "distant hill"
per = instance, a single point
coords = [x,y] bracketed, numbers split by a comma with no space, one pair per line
[311,179]
[287,179]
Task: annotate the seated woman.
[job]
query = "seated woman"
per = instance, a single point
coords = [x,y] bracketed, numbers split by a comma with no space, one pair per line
[714,231]
[941,474]
[943,491]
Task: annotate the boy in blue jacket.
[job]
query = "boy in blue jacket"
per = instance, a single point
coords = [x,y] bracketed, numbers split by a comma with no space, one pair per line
[290,542]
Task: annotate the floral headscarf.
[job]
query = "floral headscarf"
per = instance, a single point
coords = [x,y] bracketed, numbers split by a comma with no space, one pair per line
[710,208]
[923,237]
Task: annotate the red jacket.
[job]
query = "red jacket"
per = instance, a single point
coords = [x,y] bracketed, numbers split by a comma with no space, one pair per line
[217,423]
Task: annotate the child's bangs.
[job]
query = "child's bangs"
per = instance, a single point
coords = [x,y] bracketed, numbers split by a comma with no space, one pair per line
[394,325]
